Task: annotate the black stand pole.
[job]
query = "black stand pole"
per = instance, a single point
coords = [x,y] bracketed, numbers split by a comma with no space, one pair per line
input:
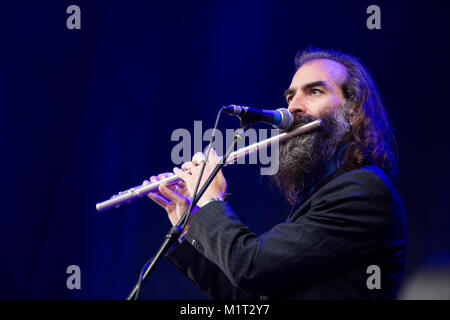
[174,233]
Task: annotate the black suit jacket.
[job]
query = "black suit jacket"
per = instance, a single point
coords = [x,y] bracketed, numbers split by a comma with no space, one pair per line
[351,221]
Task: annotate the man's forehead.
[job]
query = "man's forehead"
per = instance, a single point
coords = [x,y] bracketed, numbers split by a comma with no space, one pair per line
[320,70]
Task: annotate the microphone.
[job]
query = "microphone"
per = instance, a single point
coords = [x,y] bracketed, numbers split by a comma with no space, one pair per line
[281,118]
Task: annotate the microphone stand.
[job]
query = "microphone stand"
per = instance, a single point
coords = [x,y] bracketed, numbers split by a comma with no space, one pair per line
[171,238]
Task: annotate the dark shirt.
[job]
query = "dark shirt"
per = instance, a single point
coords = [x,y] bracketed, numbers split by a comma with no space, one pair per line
[351,221]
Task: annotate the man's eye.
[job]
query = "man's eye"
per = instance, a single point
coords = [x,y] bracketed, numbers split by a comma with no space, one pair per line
[315,92]
[289,99]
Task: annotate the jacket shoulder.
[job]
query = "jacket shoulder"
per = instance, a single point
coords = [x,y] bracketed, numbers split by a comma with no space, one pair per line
[369,182]
[365,177]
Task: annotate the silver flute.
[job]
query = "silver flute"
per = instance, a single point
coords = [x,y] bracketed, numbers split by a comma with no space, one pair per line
[140,191]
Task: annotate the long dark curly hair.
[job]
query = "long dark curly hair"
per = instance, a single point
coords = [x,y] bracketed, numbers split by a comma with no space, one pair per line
[370,140]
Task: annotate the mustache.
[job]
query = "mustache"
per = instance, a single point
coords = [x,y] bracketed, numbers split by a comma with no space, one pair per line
[300,119]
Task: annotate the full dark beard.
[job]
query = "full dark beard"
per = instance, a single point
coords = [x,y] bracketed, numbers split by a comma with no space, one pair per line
[302,159]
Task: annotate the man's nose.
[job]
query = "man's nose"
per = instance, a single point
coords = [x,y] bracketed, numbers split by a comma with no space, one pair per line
[297,105]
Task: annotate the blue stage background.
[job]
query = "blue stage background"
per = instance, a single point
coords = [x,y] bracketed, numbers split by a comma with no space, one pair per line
[87,113]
